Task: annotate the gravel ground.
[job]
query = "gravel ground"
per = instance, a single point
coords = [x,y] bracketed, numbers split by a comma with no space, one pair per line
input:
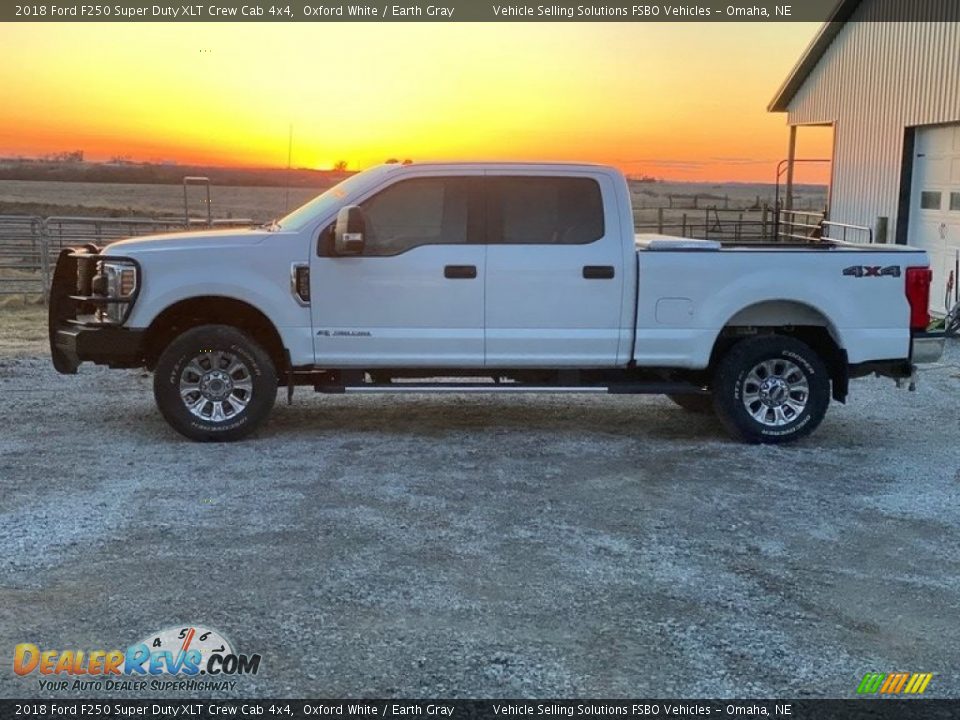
[485,546]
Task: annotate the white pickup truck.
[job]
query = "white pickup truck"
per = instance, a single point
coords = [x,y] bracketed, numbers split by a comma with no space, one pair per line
[490,277]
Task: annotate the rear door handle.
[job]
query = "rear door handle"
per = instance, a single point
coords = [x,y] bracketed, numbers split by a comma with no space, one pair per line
[460,272]
[598,272]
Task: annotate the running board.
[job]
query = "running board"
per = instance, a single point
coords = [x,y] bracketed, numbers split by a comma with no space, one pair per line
[659,388]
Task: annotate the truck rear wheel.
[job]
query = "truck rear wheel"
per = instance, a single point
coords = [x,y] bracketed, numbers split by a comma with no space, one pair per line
[699,404]
[213,383]
[771,389]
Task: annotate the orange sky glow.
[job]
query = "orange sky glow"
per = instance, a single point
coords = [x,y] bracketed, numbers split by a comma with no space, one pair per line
[682,101]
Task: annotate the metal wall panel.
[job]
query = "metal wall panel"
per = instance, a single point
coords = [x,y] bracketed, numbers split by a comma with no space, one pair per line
[876,79]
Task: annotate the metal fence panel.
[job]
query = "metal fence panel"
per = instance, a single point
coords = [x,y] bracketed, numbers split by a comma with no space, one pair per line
[29,245]
[22,256]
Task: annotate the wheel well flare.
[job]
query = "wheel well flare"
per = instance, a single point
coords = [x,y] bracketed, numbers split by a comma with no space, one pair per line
[212,310]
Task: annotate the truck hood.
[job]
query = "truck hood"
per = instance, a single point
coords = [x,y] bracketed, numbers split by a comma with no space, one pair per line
[188,240]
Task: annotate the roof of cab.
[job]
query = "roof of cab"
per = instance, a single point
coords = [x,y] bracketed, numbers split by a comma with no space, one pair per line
[500,165]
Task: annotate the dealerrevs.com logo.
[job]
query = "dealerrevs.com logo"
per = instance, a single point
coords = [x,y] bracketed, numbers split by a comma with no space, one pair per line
[172,659]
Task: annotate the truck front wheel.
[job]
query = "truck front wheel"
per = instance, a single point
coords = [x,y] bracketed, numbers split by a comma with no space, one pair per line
[214,383]
[771,389]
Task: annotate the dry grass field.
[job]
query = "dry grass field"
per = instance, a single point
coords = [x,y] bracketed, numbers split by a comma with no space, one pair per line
[127,200]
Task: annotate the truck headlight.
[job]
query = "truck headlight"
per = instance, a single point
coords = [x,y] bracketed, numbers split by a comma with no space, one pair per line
[118,280]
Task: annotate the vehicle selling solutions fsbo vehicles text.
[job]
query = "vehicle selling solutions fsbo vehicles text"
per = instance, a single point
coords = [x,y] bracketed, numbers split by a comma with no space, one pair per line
[637,11]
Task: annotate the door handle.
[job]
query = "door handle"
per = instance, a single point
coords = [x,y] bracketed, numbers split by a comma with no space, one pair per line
[460,272]
[598,272]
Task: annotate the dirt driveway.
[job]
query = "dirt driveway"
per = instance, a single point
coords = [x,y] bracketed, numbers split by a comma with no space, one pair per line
[485,546]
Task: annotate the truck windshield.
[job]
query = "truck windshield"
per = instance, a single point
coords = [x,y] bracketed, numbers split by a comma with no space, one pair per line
[322,204]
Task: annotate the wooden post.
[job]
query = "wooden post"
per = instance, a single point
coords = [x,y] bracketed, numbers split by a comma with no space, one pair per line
[766,212]
[684,232]
[660,220]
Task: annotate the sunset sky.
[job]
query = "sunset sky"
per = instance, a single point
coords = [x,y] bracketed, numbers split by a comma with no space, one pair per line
[683,101]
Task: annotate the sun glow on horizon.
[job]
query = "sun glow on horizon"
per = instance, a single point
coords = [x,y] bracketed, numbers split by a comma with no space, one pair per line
[683,101]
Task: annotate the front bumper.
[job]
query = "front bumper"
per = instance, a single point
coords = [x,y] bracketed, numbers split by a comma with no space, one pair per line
[927,347]
[112,346]
[76,335]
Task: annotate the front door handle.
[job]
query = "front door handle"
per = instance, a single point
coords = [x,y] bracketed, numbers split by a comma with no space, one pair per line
[598,272]
[460,272]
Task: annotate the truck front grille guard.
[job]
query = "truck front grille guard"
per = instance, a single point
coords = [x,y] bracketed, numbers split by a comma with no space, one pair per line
[71,291]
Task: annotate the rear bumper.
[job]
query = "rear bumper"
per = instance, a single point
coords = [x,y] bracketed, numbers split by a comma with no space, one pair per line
[927,347]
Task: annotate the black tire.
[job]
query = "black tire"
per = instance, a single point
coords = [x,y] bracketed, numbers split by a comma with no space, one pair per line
[735,382]
[699,404]
[242,409]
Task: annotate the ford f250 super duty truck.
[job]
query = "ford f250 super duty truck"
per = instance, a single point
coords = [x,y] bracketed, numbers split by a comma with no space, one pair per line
[490,277]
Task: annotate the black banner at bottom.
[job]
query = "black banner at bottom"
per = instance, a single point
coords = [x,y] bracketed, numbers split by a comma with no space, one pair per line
[872,709]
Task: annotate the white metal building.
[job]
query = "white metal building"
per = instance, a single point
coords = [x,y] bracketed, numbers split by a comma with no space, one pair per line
[891,92]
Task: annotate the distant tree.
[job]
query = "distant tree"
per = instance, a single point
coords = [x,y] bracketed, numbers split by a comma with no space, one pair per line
[340,166]
[74,156]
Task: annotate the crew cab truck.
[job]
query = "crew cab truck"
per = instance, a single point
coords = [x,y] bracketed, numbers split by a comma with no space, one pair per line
[490,277]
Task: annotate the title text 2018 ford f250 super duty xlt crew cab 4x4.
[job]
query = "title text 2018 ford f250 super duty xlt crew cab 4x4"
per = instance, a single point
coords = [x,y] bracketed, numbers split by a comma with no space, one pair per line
[498,277]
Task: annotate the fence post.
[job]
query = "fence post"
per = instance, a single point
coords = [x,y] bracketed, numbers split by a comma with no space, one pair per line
[44,259]
[766,210]
[880,231]
[660,220]
[684,233]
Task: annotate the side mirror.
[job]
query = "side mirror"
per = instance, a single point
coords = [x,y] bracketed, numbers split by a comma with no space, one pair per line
[349,230]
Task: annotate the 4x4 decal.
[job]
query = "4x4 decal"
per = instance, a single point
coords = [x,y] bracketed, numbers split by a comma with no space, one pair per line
[872,271]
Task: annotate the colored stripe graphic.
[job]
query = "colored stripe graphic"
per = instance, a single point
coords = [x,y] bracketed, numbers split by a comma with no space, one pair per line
[894,683]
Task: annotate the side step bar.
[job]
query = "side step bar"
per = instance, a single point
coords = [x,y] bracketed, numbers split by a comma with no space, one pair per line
[658,388]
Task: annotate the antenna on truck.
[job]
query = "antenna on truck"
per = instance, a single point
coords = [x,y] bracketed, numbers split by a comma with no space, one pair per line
[286,201]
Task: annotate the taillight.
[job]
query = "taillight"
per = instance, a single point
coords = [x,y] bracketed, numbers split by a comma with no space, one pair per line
[918,295]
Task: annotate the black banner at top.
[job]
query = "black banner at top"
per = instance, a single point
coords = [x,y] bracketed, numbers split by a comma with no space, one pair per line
[480,10]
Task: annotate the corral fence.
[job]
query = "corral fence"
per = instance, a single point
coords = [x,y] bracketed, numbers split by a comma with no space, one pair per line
[22,254]
[713,223]
[29,245]
[801,225]
[761,225]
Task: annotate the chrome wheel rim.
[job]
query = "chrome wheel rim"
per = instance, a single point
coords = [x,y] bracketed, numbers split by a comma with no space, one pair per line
[776,392]
[216,386]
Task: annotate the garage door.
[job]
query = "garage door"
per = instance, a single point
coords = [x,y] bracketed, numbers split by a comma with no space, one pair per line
[935,205]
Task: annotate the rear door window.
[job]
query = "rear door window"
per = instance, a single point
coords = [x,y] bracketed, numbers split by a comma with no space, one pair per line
[545,210]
